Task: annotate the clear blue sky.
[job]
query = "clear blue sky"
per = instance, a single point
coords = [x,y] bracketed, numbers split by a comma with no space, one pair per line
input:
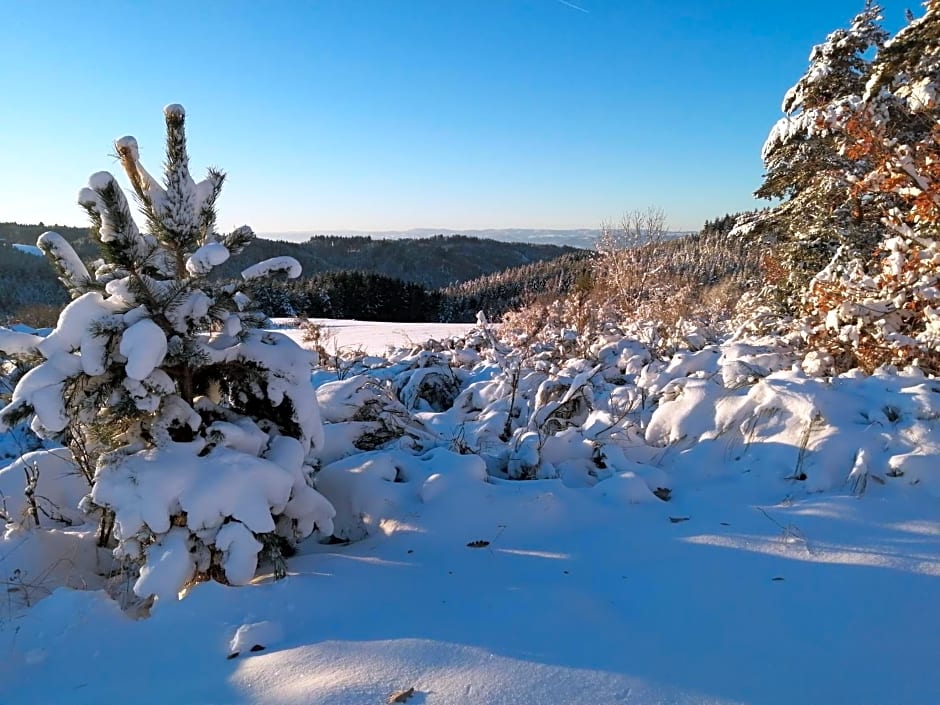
[391,114]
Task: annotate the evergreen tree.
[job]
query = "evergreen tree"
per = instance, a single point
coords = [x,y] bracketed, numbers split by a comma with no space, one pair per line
[191,424]
[805,166]
[884,308]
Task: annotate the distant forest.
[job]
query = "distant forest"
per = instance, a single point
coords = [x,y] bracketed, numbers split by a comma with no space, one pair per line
[441,278]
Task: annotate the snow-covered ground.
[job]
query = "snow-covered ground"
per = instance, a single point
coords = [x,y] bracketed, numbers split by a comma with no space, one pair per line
[373,337]
[797,559]
[28,249]
[579,597]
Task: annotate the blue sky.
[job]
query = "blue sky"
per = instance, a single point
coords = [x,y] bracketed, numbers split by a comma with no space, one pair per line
[384,114]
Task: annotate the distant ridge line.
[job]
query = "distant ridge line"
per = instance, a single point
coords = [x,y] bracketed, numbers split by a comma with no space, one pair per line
[582,238]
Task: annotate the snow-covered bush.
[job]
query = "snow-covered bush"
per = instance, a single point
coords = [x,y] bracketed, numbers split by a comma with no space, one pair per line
[430,383]
[361,413]
[669,293]
[191,424]
[42,487]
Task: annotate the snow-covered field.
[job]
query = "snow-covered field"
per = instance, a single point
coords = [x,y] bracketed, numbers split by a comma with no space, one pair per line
[373,337]
[795,557]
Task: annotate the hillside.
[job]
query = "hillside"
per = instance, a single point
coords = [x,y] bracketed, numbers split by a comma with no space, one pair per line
[511,288]
[27,283]
[25,234]
[433,262]
[366,296]
[430,263]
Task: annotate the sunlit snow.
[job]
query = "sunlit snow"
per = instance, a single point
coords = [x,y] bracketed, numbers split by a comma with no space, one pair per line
[581,586]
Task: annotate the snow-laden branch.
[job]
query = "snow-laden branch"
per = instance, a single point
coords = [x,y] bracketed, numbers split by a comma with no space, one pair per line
[270,267]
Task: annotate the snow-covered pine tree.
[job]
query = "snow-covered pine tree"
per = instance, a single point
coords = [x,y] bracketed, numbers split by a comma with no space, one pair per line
[194,425]
[885,309]
[806,169]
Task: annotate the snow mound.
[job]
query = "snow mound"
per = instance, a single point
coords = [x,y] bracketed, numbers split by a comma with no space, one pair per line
[248,637]
[53,481]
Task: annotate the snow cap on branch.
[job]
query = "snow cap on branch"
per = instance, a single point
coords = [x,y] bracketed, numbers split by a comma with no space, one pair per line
[275,265]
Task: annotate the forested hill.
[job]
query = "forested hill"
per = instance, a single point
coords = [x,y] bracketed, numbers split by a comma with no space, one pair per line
[27,281]
[17,233]
[432,262]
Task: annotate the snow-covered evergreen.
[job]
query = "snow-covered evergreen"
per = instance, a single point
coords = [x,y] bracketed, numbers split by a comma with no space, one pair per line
[882,309]
[192,425]
[807,170]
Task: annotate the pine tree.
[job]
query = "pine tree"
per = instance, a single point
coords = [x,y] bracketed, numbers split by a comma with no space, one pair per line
[805,167]
[884,308]
[192,425]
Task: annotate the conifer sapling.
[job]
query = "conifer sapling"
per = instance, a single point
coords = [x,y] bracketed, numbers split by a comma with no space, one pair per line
[196,424]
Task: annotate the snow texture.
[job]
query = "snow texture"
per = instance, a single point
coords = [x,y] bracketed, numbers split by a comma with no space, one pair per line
[57,248]
[27,249]
[210,255]
[58,491]
[144,345]
[170,565]
[275,265]
[227,496]
[725,433]
[14,342]
[264,634]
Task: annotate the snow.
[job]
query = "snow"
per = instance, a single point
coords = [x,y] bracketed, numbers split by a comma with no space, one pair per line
[65,257]
[170,564]
[150,487]
[17,342]
[257,634]
[749,585]
[240,552]
[374,337]
[101,181]
[127,144]
[74,322]
[41,388]
[27,249]
[289,367]
[210,255]
[275,265]
[59,487]
[144,345]
[553,610]
[181,488]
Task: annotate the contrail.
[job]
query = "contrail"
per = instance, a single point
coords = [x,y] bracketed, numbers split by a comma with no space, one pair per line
[574,7]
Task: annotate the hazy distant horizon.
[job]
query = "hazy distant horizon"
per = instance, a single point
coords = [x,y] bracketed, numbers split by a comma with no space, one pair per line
[575,237]
[390,115]
[584,238]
